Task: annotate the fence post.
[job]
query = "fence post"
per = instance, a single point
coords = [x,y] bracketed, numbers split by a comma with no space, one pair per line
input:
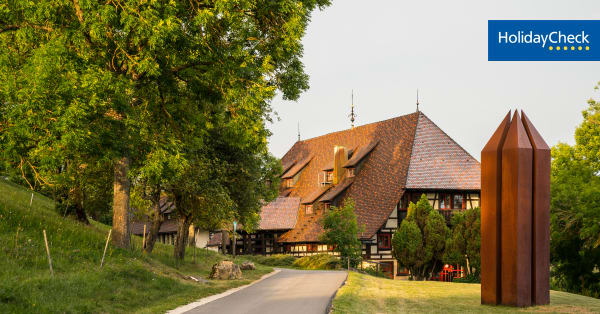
[143,240]
[48,253]
[105,247]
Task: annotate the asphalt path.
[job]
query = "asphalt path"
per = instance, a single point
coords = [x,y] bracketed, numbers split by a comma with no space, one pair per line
[289,292]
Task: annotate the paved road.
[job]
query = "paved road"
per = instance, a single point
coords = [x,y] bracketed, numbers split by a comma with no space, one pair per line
[289,292]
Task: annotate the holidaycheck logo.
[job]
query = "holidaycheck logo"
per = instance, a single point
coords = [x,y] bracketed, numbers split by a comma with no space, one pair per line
[543,40]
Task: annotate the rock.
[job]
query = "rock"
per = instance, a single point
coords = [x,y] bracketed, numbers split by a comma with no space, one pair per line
[247,266]
[225,270]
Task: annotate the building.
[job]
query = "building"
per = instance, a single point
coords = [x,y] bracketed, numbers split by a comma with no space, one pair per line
[382,166]
[168,229]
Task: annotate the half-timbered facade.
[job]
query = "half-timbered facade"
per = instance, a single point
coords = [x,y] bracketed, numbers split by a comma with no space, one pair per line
[382,166]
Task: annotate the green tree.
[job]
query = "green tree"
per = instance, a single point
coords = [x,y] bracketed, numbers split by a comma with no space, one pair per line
[419,242]
[91,81]
[341,231]
[463,246]
[574,230]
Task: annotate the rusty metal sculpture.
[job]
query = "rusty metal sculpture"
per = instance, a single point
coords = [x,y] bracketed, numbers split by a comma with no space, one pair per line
[515,215]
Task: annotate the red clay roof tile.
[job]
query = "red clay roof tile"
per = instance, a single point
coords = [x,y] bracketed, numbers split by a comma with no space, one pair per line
[296,168]
[279,214]
[312,197]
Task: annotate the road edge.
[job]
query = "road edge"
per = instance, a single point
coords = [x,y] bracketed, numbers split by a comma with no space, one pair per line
[330,304]
[210,298]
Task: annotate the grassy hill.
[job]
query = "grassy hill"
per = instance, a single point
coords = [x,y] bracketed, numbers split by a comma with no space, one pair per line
[367,294]
[129,281]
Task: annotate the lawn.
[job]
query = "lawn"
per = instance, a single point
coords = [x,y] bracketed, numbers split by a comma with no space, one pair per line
[368,294]
[129,282]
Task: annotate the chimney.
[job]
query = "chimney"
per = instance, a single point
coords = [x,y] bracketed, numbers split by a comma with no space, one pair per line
[340,156]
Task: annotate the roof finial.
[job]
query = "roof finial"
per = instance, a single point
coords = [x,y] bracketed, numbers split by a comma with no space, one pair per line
[298,131]
[417,100]
[352,115]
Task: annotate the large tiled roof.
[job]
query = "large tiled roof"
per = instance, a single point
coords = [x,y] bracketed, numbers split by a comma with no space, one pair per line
[394,155]
[377,188]
[280,214]
[438,162]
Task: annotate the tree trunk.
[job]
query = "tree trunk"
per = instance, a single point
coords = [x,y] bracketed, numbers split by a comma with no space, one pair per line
[183,229]
[81,215]
[80,210]
[120,235]
[157,220]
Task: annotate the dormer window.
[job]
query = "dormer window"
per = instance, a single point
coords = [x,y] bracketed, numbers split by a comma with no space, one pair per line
[351,172]
[329,176]
[309,209]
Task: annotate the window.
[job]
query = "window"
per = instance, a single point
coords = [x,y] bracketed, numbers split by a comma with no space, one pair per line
[329,176]
[309,209]
[458,202]
[350,172]
[384,240]
[445,201]
[289,183]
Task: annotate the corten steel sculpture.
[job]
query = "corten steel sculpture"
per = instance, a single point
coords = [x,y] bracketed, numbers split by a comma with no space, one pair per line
[515,215]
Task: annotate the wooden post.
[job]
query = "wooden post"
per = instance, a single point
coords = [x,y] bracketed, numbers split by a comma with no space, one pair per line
[31,200]
[144,240]
[105,247]
[48,253]
[17,243]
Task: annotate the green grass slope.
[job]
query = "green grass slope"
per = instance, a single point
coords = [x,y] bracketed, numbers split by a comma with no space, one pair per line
[129,282]
[368,294]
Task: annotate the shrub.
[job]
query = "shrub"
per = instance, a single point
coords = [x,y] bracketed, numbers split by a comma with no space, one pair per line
[273,260]
[341,231]
[471,278]
[372,270]
[419,242]
[319,261]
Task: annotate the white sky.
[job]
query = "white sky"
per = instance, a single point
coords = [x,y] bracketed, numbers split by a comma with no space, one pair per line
[385,50]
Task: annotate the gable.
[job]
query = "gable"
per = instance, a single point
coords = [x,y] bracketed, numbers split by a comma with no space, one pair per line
[438,162]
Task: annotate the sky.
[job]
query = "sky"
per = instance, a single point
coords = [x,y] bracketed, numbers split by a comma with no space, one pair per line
[386,50]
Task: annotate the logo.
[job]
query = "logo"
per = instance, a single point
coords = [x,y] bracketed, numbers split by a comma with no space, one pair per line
[543,40]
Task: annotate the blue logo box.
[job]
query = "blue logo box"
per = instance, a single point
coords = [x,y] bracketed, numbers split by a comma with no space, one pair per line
[543,40]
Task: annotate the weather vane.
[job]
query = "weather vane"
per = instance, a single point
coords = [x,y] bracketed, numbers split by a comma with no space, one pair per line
[352,114]
[417,100]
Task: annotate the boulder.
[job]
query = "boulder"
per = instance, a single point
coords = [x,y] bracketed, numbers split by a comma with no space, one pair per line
[247,266]
[225,270]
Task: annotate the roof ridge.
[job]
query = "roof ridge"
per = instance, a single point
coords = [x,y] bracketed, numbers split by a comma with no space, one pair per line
[355,128]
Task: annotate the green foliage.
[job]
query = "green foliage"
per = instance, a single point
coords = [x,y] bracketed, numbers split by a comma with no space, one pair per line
[575,209]
[470,278]
[575,212]
[318,261]
[182,89]
[128,282]
[419,242]
[465,240]
[341,230]
[586,135]
[272,260]
[372,270]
